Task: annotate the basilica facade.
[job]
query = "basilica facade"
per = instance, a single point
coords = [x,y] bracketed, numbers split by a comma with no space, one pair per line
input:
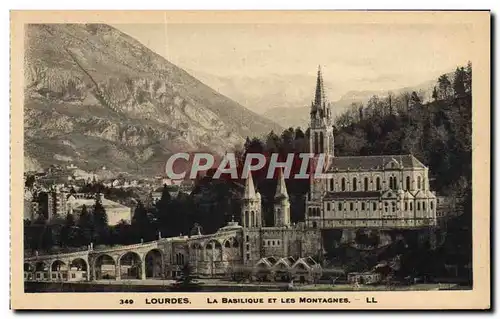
[383,191]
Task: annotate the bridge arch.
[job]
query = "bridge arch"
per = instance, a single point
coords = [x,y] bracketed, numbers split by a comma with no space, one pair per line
[79,264]
[104,267]
[58,265]
[153,263]
[236,243]
[213,250]
[196,252]
[130,265]
[41,266]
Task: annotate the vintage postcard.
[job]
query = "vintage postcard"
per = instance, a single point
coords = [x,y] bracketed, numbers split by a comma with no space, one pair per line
[250,160]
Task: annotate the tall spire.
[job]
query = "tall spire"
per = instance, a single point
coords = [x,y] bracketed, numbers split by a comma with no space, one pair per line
[320,97]
[281,191]
[249,187]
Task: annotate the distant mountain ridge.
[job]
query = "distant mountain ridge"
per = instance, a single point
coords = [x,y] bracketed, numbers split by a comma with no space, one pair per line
[96,97]
[299,116]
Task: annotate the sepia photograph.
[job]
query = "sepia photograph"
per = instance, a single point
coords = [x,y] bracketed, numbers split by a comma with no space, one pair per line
[328,155]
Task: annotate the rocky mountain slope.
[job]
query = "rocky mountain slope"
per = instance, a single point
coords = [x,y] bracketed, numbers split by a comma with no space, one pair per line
[96,97]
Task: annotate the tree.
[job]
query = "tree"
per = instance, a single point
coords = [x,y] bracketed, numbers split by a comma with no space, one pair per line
[459,82]
[141,222]
[86,226]
[435,94]
[100,216]
[444,87]
[468,78]
[100,219]
[69,235]
[30,180]
[415,100]
[273,142]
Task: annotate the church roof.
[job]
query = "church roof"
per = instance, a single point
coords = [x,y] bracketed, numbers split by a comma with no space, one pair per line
[354,163]
[350,195]
[319,97]
[249,187]
[281,191]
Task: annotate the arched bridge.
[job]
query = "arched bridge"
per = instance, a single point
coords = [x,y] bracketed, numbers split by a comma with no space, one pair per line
[209,255]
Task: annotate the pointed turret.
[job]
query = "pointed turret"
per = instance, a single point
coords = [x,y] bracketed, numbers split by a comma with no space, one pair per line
[249,187]
[281,203]
[251,205]
[281,191]
[319,98]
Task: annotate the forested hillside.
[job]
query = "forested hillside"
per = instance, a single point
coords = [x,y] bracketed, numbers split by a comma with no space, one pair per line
[438,133]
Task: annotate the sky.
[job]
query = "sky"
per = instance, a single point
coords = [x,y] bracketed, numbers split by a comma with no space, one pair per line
[352,56]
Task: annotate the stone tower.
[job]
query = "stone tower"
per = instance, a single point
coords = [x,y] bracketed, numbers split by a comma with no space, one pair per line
[321,137]
[281,203]
[321,141]
[251,216]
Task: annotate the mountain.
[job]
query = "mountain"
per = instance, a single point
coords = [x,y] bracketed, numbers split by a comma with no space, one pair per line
[261,93]
[299,116]
[96,97]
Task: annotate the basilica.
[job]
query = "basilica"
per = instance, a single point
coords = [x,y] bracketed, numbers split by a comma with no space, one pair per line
[384,192]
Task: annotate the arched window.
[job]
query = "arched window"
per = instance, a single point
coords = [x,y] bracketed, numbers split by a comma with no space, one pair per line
[227,244]
[328,206]
[411,206]
[331,184]
[253,219]
[321,143]
[354,184]
[378,183]
[246,224]
[395,182]
[418,205]
[432,205]
[343,184]
[363,206]
[374,206]
[316,146]
[390,182]
[406,206]
[393,207]
[351,206]
[340,206]
[366,184]
[407,183]
[423,205]
[310,211]
[419,182]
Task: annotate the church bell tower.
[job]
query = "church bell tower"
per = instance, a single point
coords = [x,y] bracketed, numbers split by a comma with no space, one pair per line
[251,216]
[321,133]
[320,142]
